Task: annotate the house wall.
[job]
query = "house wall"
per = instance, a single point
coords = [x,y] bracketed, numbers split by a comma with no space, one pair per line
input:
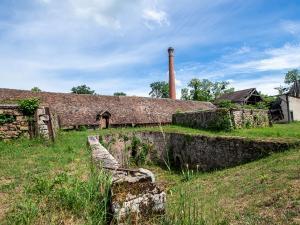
[294,106]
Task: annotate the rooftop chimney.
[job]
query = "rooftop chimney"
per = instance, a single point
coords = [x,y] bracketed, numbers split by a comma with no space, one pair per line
[172,90]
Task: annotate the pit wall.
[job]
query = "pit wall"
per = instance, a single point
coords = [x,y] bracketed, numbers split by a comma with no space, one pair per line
[200,152]
[223,119]
[45,123]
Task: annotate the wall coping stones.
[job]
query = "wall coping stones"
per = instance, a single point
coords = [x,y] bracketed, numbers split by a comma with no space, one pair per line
[134,192]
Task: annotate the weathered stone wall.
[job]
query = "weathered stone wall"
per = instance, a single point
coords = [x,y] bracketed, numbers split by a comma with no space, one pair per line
[202,152]
[120,146]
[208,153]
[45,123]
[238,118]
[19,127]
[249,118]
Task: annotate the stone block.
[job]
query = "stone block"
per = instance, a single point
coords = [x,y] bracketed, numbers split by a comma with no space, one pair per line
[43,127]
[20,118]
[24,128]
[44,118]
[135,195]
[40,111]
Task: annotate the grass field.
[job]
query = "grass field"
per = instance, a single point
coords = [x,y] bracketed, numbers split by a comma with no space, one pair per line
[277,131]
[55,184]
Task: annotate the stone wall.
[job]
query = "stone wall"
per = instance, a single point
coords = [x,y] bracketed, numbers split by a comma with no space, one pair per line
[15,129]
[236,118]
[45,123]
[197,151]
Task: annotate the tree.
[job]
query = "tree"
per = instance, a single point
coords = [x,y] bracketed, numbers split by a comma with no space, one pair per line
[292,76]
[204,90]
[82,89]
[119,94]
[35,89]
[185,94]
[159,89]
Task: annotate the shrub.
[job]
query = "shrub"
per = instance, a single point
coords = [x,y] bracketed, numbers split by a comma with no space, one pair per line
[29,106]
[221,122]
[4,118]
[225,104]
[139,151]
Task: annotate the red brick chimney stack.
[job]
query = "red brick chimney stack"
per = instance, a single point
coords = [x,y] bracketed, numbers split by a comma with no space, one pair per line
[172,89]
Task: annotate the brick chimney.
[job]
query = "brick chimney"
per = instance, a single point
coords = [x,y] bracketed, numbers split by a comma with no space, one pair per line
[172,89]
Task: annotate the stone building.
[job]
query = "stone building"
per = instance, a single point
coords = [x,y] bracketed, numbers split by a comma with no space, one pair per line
[75,110]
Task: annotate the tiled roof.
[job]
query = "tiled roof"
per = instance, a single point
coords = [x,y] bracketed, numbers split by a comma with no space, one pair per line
[74,109]
[237,96]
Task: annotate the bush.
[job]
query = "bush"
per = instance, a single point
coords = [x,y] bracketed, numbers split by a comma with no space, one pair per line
[4,118]
[225,104]
[29,106]
[222,122]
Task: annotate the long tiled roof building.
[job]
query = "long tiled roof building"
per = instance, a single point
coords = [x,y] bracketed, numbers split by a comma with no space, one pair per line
[74,110]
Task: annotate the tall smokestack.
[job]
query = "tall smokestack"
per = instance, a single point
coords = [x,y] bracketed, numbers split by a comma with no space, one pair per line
[172,89]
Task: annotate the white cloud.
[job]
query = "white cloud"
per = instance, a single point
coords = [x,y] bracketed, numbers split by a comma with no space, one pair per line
[155,16]
[292,27]
[286,57]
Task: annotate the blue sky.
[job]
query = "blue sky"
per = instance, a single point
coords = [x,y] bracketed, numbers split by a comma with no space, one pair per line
[121,45]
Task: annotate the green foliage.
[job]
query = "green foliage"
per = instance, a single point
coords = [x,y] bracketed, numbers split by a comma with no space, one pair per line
[185,95]
[187,174]
[222,121]
[159,89]
[292,76]
[82,128]
[84,199]
[139,151]
[225,104]
[120,94]
[204,90]
[4,118]
[82,89]
[29,106]
[35,89]
[24,212]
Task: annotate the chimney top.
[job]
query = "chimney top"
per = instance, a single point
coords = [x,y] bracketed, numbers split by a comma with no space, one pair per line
[171,50]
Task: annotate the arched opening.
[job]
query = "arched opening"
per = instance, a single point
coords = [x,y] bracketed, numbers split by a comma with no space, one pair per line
[103,118]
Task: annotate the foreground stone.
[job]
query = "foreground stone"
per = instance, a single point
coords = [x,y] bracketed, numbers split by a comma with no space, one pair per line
[134,195]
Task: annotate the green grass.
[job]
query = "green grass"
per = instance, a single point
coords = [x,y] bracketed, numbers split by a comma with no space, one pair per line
[262,192]
[51,183]
[277,131]
[44,183]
